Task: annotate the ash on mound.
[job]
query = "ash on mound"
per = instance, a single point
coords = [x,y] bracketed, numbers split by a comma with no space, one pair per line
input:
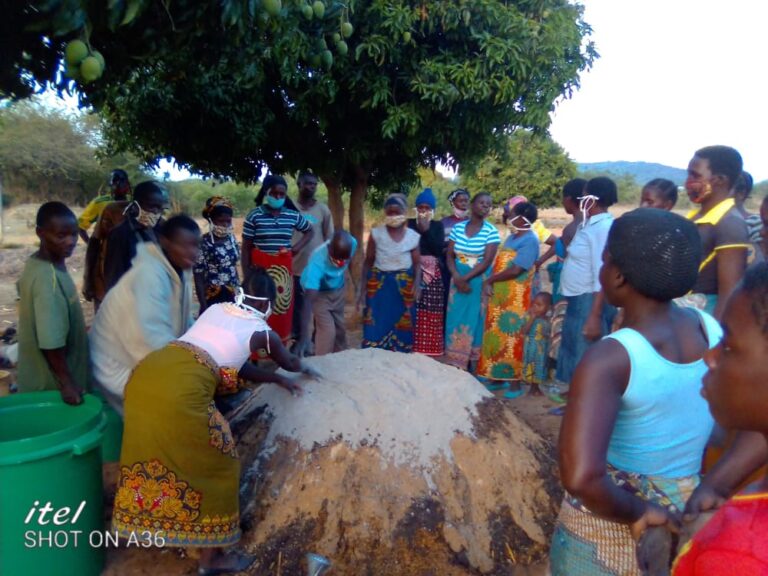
[396,465]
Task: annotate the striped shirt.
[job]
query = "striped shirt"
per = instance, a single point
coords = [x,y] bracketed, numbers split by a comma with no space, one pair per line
[474,246]
[271,232]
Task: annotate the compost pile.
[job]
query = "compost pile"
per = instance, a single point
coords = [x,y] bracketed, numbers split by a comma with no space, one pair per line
[394,464]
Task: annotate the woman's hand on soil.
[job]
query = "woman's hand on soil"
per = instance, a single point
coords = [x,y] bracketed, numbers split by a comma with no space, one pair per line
[293,387]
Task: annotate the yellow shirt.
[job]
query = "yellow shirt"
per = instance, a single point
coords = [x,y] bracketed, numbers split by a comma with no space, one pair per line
[541,231]
[93,211]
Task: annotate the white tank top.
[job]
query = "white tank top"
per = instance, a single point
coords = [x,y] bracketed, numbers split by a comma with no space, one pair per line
[391,255]
[224,331]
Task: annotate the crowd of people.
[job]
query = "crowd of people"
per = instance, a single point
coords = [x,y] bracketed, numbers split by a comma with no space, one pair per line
[628,330]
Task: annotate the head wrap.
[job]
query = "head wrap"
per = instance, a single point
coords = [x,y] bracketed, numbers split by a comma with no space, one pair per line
[515,200]
[657,251]
[426,197]
[458,192]
[215,202]
[397,200]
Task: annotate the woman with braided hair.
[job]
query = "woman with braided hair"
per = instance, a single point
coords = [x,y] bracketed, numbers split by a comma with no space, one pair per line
[216,277]
[635,426]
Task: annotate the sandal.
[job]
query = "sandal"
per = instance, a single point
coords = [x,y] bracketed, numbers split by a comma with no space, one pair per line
[512,394]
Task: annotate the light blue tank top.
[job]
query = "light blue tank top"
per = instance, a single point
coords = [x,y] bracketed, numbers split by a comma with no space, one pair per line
[663,423]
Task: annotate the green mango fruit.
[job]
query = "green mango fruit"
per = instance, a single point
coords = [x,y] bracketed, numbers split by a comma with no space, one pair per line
[90,69]
[76,51]
[273,7]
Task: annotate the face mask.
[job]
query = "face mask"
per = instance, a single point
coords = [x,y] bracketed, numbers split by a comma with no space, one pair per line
[275,203]
[144,218]
[425,215]
[241,296]
[220,231]
[460,213]
[514,228]
[395,221]
[585,205]
[701,191]
[338,262]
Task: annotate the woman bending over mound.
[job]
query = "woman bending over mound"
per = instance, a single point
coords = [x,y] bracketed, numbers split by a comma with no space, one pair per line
[179,472]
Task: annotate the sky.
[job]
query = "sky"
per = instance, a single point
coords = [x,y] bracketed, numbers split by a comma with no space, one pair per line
[673,76]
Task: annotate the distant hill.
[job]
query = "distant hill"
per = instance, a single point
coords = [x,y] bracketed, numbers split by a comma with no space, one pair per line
[642,172]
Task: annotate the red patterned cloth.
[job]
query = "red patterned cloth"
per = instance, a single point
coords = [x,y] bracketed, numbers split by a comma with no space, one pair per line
[280,267]
[732,543]
[429,334]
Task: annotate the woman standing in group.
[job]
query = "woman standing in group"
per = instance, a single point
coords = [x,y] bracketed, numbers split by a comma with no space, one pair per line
[179,470]
[587,316]
[508,289]
[635,426]
[267,235]
[391,281]
[472,247]
[216,277]
[459,201]
[429,334]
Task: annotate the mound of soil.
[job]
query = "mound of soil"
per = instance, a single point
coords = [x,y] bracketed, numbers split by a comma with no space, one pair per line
[395,464]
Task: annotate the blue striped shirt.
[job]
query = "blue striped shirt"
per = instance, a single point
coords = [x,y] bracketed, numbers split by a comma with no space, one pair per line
[270,232]
[474,246]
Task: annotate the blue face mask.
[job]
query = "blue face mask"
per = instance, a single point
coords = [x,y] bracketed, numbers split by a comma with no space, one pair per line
[275,203]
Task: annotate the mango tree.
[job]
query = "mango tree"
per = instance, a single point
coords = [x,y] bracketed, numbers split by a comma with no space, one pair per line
[363,92]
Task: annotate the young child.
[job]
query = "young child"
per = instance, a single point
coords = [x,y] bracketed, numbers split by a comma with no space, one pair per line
[216,277]
[53,344]
[659,193]
[536,349]
[736,388]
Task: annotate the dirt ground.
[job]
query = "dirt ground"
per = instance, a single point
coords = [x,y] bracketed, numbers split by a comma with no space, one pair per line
[20,242]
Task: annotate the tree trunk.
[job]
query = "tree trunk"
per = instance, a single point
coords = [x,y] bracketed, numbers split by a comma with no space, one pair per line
[335,201]
[357,217]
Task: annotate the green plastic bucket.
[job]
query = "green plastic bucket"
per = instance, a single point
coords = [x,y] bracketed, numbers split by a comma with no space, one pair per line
[51,486]
[113,432]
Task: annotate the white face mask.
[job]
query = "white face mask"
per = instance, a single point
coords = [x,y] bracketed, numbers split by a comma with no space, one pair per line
[240,297]
[460,213]
[514,228]
[585,205]
[425,215]
[395,221]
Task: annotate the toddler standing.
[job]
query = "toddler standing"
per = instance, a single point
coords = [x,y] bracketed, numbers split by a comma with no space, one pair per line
[536,349]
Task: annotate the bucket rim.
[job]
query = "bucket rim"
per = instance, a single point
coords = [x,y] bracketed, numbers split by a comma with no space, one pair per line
[19,451]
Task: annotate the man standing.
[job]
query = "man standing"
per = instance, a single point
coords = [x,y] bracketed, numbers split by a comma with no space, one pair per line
[109,216]
[120,190]
[323,285]
[319,216]
[712,174]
